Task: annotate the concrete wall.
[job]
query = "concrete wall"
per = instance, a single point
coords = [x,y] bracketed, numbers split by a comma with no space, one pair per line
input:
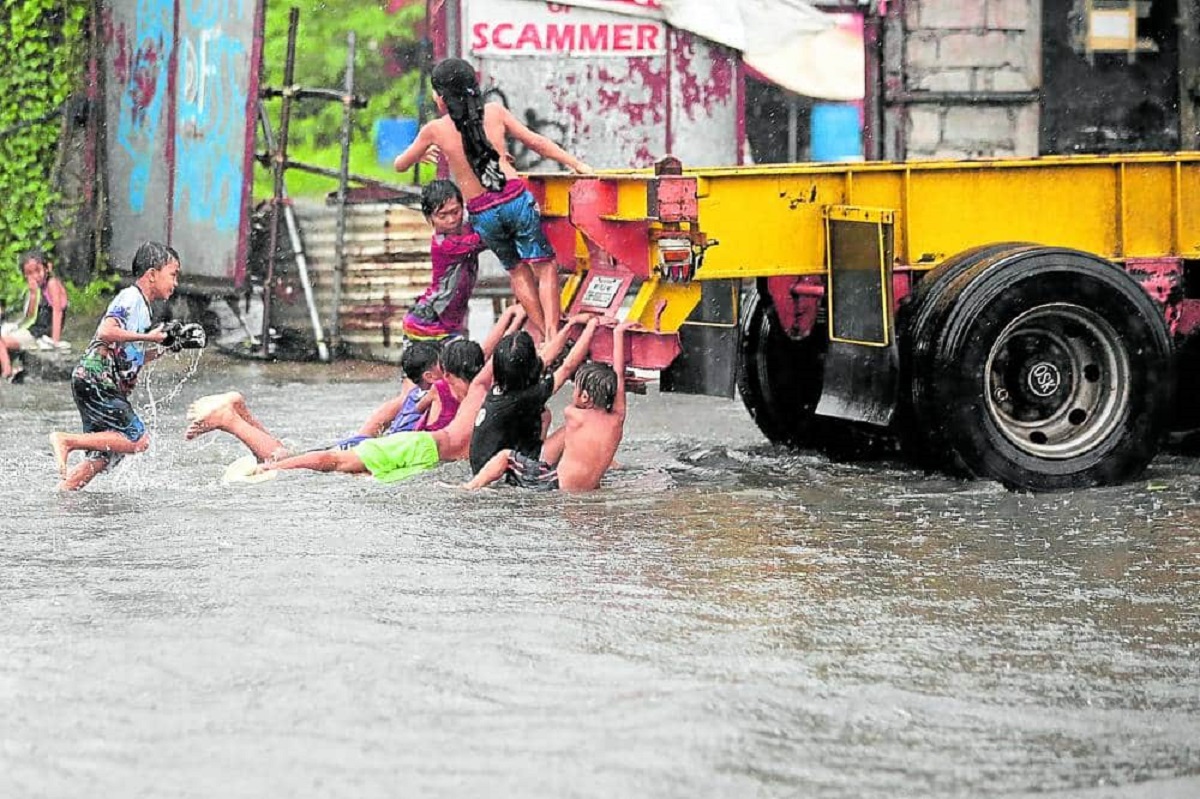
[961,79]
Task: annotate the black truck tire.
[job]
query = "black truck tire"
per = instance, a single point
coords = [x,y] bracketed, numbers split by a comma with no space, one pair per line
[778,379]
[919,316]
[1042,368]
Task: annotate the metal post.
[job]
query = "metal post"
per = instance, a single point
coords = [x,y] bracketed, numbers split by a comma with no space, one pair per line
[340,254]
[1188,16]
[873,77]
[793,127]
[423,66]
[278,163]
[289,215]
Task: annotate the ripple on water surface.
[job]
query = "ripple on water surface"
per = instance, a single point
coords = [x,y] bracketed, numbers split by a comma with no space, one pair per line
[721,619]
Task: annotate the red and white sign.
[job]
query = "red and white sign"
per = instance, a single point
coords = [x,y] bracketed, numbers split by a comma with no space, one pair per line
[513,28]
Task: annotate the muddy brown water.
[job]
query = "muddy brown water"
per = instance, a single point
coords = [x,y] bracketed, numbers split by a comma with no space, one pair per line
[722,619]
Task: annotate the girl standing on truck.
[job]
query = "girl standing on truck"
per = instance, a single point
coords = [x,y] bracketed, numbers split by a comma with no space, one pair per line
[472,137]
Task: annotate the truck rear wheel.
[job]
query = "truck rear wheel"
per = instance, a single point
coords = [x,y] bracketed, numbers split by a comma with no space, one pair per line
[1044,369]
[920,315]
[779,379]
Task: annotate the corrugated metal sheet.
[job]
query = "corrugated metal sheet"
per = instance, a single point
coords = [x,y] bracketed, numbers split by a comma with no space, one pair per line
[386,268]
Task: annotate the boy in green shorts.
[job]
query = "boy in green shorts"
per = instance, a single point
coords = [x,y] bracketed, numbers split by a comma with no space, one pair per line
[389,458]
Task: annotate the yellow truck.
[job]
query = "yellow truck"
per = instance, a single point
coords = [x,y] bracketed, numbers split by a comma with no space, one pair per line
[1029,321]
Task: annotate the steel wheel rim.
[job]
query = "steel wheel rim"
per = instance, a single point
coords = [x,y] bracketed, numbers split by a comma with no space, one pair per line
[1057,381]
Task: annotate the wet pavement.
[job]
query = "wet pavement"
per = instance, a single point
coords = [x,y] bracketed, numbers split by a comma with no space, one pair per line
[721,619]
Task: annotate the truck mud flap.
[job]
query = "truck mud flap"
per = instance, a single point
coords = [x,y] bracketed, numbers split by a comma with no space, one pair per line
[862,365]
[709,338]
[861,384]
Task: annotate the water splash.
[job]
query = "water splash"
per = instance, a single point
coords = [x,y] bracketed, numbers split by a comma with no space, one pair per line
[135,472]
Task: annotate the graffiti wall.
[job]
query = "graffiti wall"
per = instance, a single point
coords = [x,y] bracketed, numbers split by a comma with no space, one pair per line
[181,89]
[617,87]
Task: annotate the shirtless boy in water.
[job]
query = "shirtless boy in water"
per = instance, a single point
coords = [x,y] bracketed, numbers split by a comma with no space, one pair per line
[576,456]
[389,458]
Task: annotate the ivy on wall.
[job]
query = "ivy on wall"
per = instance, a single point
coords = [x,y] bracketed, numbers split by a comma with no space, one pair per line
[42,55]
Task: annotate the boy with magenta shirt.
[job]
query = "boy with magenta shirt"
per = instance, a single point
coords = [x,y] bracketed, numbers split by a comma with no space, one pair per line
[441,311]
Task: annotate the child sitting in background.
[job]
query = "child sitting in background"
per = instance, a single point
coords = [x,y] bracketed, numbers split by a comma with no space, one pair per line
[576,456]
[45,307]
[454,250]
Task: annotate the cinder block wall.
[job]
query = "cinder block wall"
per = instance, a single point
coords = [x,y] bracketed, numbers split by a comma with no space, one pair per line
[961,79]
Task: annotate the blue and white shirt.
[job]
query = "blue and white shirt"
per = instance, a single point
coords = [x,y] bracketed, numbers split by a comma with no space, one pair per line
[116,366]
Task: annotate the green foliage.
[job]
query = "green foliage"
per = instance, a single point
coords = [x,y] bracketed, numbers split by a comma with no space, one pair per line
[383,41]
[91,300]
[362,162]
[42,52]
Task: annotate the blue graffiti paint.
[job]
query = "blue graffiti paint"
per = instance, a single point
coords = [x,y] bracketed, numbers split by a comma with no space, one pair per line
[210,113]
[140,112]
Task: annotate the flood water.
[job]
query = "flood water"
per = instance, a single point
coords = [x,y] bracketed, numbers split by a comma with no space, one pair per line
[722,619]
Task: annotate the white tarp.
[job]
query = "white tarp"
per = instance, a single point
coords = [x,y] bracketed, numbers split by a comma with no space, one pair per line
[789,42]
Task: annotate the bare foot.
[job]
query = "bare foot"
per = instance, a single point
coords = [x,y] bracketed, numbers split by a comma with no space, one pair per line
[209,413]
[58,443]
[239,407]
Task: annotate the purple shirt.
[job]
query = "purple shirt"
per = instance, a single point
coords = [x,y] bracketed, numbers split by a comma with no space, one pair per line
[455,267]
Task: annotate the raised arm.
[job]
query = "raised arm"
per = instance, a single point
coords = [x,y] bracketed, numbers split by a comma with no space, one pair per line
[551,348]
[415,151]
[510,321]
[540,144]
[619,364]
[576,356]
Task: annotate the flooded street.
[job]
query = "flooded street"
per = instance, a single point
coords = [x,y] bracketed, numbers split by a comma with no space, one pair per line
[723,619]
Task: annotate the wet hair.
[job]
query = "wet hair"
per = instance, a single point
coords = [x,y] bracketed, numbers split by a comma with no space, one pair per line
[418,357]
[31,255]
[454,80]
[516,362]
[463,358]
[152,255]
[600,382]
[436,194]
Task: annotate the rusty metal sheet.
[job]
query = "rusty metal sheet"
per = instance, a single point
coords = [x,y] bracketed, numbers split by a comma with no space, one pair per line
[614,89]
[181,80]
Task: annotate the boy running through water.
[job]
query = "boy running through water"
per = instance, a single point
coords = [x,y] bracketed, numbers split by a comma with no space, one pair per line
[503,211]
[576,456]
[108,371]
[454,252]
